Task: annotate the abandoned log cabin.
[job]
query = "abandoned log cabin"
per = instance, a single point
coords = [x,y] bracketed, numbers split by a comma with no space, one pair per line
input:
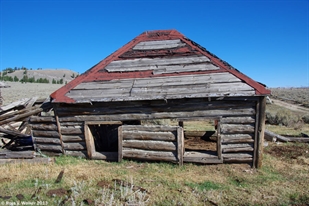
[106,112]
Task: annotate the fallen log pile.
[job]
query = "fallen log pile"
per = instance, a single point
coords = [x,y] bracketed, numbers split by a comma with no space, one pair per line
[273,137]
[15,131]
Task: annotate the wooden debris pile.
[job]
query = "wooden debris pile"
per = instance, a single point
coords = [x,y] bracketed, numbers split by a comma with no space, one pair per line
[15,131]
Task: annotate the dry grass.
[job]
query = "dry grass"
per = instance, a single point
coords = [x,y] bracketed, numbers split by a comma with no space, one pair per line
[283,180]
[295,95]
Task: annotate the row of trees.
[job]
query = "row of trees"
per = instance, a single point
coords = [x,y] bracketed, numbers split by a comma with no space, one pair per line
[11,70]
[26,79]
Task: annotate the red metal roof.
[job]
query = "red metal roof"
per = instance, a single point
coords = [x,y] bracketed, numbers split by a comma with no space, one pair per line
[127,52]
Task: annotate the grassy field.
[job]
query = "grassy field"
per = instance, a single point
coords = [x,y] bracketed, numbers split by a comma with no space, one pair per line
[283,180]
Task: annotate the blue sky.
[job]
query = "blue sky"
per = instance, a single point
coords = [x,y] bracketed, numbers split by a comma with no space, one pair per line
[266,40]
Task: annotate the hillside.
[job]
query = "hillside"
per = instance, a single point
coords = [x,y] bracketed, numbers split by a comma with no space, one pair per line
[50,74]
[18,90]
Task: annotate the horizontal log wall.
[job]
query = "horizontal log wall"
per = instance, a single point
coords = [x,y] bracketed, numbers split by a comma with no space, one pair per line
[47,139]
[157,143]
[237,138]
[237,123]
[45,135]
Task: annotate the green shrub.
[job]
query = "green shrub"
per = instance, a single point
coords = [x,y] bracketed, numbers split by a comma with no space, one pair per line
[282,117]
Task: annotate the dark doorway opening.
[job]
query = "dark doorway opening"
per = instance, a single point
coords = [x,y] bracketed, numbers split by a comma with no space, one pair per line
[105,137]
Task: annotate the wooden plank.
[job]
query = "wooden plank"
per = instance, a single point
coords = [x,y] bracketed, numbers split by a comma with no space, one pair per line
[180,145]
[272,135]
[44,140]
[12,114]
[81,99]
[162,44]
[39,133]
[82,153]
[203,154]
[203,160]
[143,135]
[149,128]
[103,122]
[186,79]
[150,155]
[165,69]
[231,155]
[201,157]
[237,128]
[237,138]
[237,157]
[75,146]
[73,138]
[124,65]
[49,147]
[89,141]
[238,149]
[158,81]
[17,155]
[45,127]
[37,119]
[238,120]
[257,116]
[150,107]
[261,131]
[19,103]
[225,146]
[150,145]
[299,139]
[120,141]
[12,132]
[185,68]
[207,87]
[31,161]
[21,116]
[219,140]
[139,94]
[71,131]
[31,102]
[161,115]
[109,156]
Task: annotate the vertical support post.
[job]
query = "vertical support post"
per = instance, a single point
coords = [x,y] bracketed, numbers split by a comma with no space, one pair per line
[261,131]
[256,133]
[120,138]
[219,143]
[180,145]
[59,129]
[89,141]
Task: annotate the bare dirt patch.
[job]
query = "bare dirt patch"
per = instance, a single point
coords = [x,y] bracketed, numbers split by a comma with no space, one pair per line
[57,192]
[290,152]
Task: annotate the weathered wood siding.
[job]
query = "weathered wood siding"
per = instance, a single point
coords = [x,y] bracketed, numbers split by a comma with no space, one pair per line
[238,116]
[156,143]
[155,88]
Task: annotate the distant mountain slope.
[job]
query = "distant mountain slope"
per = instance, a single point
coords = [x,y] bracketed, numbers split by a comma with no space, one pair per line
[50,74]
